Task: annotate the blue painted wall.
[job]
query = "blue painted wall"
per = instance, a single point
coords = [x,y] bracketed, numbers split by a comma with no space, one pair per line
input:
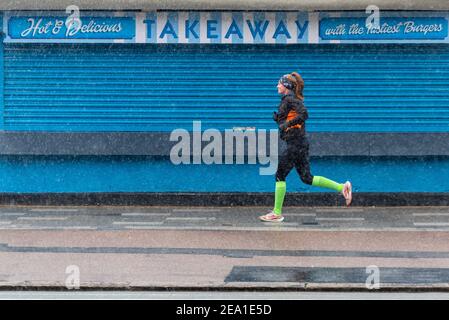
[413,90]
[2,76]
[146,174]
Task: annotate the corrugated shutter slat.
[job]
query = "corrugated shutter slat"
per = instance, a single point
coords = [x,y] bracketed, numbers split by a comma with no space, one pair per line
[355,88]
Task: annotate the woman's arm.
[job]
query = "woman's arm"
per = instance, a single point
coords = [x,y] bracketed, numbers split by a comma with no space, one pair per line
[297,114]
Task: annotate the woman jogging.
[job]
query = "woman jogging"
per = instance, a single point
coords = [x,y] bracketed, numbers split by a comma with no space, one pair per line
[291,117]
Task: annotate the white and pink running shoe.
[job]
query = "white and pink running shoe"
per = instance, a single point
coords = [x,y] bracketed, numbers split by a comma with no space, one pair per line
[347,192]
[272,217]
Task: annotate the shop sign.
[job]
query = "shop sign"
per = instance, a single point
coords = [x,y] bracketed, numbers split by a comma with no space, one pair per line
[225,27]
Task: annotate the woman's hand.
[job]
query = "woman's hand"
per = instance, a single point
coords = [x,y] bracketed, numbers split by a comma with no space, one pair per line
[283,126]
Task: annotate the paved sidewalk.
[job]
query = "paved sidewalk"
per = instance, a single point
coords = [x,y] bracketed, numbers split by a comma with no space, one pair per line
[222,218]
[214,248]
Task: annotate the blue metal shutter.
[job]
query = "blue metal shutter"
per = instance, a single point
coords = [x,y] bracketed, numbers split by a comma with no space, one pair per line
[120,87]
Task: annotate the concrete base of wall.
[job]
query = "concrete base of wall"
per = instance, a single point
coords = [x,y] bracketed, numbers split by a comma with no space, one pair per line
[222,199]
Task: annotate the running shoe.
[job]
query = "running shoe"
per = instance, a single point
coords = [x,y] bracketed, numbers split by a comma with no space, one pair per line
[272,217]
[347,192]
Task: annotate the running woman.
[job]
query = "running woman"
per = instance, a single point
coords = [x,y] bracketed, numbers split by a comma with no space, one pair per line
[291,118]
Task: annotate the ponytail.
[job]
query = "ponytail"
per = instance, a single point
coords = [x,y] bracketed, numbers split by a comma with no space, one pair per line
[299,86]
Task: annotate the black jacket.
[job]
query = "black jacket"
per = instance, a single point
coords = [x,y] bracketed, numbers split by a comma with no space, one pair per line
[289,125]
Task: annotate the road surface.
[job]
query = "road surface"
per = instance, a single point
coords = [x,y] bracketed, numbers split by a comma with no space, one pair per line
[372,249]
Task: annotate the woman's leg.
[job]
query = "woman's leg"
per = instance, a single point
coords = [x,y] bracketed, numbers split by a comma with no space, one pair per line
[279,195]
[303,168]
[285,165]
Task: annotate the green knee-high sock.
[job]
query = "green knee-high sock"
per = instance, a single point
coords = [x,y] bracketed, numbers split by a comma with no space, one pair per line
[279,195]
[326,183]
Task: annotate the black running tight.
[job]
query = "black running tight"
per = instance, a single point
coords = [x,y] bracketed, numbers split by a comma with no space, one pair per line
[295,155]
